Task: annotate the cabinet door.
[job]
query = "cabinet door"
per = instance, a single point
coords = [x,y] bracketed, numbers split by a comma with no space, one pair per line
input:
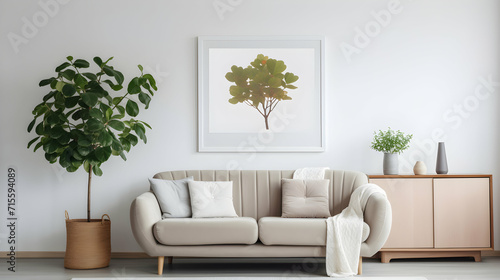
[412,222]
[462,212]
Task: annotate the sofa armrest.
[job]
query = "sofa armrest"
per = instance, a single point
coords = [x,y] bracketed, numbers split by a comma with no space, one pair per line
[378,215]
[144,213]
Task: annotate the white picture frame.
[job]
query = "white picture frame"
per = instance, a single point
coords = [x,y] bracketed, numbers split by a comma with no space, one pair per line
[295,125]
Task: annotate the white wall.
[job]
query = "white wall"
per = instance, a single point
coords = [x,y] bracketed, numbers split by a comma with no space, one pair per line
[428,59]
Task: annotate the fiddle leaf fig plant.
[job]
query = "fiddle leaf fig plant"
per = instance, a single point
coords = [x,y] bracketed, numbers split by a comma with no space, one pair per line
[261,85]
[88,116]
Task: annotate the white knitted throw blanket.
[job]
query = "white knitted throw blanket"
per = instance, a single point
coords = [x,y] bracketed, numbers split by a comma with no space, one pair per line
[344,234]
[310,173]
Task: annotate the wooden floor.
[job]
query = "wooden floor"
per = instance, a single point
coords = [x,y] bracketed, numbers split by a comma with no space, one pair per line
[432,269]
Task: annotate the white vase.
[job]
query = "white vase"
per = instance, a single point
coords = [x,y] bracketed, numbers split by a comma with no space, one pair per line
[420,168]
[391,164]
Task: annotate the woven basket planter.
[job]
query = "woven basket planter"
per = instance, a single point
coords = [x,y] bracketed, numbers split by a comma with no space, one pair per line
[88,244]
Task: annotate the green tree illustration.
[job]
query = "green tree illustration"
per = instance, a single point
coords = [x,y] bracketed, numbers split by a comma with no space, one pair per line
[261,85]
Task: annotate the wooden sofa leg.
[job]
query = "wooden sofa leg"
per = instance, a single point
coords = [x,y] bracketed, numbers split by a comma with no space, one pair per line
[161,260]
[360,266]
[170,259]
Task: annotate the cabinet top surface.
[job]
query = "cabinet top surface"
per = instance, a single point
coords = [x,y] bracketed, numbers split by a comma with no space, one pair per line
[432,176]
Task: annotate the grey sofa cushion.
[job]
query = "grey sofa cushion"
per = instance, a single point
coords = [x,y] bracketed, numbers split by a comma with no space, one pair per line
[173,197]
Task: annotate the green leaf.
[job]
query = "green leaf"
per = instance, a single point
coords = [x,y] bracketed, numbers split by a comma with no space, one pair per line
[83,151]
[151,80]
[108,70]
[145,99]
[62,67]
[51,146]
[38,146]
[53,84]
[68,90]
[115,124]
[65,159]
[116,146]
[68,74]
[290,78]
[60,85]
[125,144]
[80,81]
[274,82]
[71,102]
[80,63]
[91,76]
[51,158]
[109,113]
[86,166]
[33,141]
[140,67]
[97,170]
[89,98]
[84,142]
[103,154]
[141,131]
[64,138]
[96,113]
[105,138]
[132,108]
[132,139]
[45,82]
[275,66]
[116,87]
[146,124]
[49,96]
[117,100]
[290,86]
[56,132]
[122,155]
[94,125]
[30,126]
[98,61]
[40,129]
[119,77]
[233,100]
[70,58]
[134,86]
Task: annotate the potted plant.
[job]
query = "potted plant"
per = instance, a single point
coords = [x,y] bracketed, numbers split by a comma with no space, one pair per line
[391,143]
[87,117]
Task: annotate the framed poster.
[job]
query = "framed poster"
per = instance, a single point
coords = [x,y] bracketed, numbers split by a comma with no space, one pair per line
[260,94]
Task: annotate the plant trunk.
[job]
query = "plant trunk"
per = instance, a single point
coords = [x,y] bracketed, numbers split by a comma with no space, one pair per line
[88,194]
[267,124]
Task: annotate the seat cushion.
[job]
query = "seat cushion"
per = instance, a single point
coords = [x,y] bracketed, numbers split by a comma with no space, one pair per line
[296,231]
[189,231]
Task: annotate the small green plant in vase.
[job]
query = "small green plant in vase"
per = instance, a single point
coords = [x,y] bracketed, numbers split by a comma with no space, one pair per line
[391,143]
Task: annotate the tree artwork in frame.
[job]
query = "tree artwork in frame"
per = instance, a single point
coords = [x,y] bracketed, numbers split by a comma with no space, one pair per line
[260,94]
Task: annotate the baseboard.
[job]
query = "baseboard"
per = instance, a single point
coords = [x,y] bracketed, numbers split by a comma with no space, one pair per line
[490,253]
[483,254]
[59,254]
[137,255]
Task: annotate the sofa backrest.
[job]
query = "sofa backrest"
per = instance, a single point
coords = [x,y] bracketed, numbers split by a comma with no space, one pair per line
[257,193]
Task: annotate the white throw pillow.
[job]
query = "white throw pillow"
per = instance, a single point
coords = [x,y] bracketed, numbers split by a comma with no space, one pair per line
[211,199]
[173,197]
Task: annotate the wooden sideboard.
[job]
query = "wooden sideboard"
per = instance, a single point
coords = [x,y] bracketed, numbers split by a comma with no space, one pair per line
[438,215]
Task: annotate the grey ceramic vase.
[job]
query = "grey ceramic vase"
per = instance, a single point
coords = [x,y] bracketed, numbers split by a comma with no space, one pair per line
[441,162]
[391,164]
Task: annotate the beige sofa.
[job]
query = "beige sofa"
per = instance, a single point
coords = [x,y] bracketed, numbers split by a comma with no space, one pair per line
[259,231]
